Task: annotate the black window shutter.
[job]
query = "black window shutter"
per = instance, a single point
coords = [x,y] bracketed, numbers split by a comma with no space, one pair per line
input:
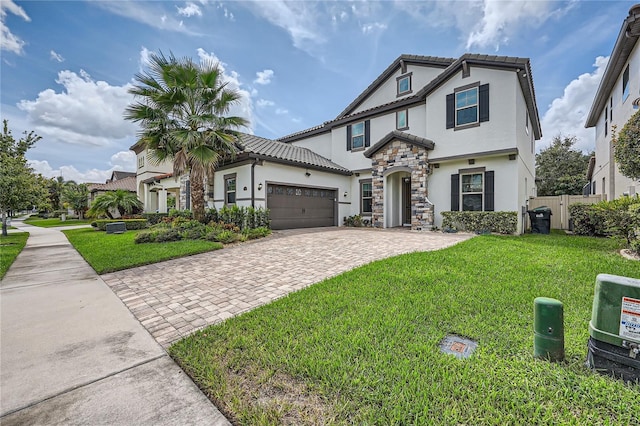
[455,193]
[349,137]
[367,132]
[488,191]
[483,95]
[451,111]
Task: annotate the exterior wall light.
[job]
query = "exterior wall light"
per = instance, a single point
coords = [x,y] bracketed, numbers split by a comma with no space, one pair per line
[346,193]
[260,186]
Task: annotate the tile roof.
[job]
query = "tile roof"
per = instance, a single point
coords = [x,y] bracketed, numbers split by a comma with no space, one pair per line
[118,174]
[127,183]
[279,151]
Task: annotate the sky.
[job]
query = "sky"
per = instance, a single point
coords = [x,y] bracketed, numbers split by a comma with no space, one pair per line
[67,66]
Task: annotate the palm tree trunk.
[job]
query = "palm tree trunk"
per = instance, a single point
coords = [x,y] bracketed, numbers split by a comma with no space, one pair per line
[197,199]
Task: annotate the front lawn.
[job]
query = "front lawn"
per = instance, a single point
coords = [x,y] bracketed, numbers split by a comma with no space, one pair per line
[113,252]
[54,222]
[10,248]
[362,347]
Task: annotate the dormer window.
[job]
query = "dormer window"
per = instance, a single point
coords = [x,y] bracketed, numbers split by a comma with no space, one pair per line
[404,84]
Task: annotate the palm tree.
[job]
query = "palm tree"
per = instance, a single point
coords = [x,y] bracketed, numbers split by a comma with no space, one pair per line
[121,200]
[77,196]
[181,108]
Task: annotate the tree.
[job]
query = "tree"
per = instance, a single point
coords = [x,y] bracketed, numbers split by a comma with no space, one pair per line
[181,108]
[123,201]
[19,186]
[76,196]
[56,187]
[627,147]
[560,169]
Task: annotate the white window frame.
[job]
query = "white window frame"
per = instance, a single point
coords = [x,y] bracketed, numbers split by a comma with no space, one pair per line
[470,192]
[526,125]
[355,135]
[141,161]
[475,105]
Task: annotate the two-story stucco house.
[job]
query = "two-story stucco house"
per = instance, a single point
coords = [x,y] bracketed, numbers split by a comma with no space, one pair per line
[428,135]
[616,100]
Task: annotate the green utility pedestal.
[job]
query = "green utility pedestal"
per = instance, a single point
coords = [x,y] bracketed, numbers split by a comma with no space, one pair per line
[548,327]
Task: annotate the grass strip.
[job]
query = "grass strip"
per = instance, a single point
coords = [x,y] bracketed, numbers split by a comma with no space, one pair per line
[114,252]
[54,222]
[10,248]
[362,347]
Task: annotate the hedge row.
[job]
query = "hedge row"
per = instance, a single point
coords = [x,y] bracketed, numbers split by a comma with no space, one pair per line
[480,222]
[130,224]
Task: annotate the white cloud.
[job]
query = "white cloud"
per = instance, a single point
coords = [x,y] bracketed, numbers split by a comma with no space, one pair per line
[503,19]
[85,112]
[264,77]
[56,56]
[191,9]
[369,28]
[261,103]
[244,106]
[8,40]
[567,114]
[144,59]
[298,18]
[123,160]
[227,14]
[282,111]
[152,14]
[71,173]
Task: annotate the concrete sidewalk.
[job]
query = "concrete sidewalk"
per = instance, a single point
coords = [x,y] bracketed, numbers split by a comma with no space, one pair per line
[72,353]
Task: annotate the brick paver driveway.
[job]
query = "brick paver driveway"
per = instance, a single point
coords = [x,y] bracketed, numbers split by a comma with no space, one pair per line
[174,298]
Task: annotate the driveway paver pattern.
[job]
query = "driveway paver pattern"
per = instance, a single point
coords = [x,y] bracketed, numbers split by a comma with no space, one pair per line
[173,299]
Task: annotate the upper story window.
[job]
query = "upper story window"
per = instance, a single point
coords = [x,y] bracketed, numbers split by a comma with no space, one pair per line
[404,84]
[358,136]
[606,120]
[467,106]
[625,84]
[526,124]
[402,120]
[141,161]
[230,189]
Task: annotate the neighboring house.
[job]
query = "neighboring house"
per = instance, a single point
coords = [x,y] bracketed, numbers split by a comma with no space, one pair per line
[118,180]
[428,135]
[616,100]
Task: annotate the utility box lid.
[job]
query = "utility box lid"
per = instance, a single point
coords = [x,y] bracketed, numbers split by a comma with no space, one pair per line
[615,316]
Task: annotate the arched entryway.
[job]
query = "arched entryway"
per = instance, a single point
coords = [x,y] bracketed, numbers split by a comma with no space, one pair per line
[397,197]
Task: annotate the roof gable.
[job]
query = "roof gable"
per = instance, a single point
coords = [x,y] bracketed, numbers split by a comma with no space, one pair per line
[401,136]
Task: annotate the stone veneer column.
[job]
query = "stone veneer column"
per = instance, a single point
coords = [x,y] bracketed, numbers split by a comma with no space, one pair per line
[402,154]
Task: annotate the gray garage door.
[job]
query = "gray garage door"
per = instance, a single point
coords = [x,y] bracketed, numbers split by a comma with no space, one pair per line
[300,207]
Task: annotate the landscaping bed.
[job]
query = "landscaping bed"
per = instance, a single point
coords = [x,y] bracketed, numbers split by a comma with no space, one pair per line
[362,347]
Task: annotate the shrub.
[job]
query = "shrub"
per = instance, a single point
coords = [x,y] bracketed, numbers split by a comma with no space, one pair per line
[167,234]
[145,237]
[480,222]
[226,236]
[154,218]
[181,213]
[242,217]
[356,221]
[587,220]
[255,233]
[130,224]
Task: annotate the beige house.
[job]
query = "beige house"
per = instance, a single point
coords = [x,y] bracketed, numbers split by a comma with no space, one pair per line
[617,99]
[429,135]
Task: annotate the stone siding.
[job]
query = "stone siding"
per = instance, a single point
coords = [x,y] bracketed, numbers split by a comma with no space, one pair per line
[402,154]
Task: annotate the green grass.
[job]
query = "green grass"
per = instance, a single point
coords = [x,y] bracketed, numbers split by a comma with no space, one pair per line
[113,252]
[10,248]
[54,222]
[362,347]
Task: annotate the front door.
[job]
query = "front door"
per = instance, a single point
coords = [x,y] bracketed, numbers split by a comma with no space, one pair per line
[406,201]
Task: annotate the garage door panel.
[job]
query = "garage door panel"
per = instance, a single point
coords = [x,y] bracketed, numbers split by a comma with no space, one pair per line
[300,207]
